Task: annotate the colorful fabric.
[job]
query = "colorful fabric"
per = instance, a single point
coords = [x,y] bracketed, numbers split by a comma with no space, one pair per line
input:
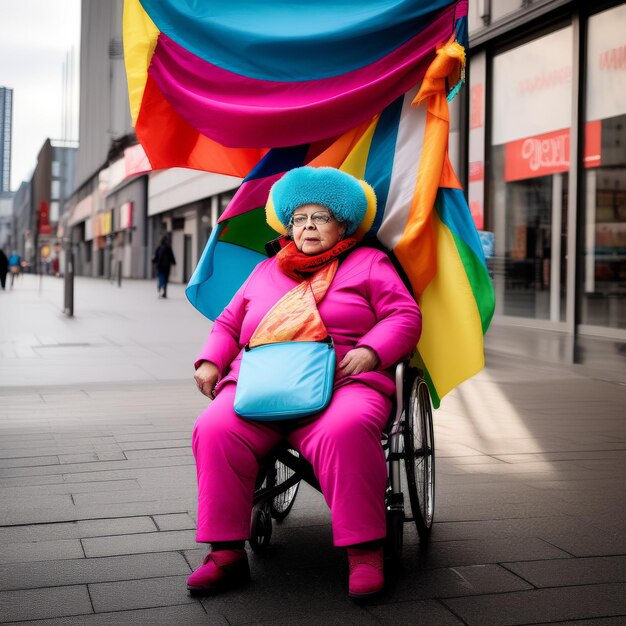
[295,316]
[256,92]
[244,77]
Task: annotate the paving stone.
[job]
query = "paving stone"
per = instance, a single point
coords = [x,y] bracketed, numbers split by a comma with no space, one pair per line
[29,461]
[75,530]
[176,521]
[481,552]
[589,542]
[184,614]
[156,445]
[349,616]
[411,613]
[164,452]
[29,515]
[502,528]
[526,607]
[48,469]
[44,603]
[136,544]
[414,581]
[596,621]
[115,526]
[137,594]
[568,572]
[66,488]
[152,436]
[105,569]
[40,551]
[30,481]
[41,451]
[272,596]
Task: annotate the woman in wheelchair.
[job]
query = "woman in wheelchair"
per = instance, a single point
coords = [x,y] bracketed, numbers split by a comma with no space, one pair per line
[320,283]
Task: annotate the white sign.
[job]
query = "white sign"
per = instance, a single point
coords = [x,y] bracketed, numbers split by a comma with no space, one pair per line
[532,88]
[606,64]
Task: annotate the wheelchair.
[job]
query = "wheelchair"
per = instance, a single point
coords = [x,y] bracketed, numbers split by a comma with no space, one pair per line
[409,447]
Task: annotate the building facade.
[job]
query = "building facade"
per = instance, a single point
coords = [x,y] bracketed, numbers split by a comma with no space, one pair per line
[6,123]
[23,212]
[52,183]
[7,223]
[545,153]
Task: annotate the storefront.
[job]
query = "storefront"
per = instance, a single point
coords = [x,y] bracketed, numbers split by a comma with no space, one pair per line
[186,205]
[546,173]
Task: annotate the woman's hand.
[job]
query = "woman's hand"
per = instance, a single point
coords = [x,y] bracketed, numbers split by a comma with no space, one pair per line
[358,361]
[206,378]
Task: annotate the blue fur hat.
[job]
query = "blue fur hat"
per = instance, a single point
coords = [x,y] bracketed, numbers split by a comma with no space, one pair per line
[341,193]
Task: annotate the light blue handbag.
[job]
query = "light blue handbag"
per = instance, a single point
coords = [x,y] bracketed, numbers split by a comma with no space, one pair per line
[283,381]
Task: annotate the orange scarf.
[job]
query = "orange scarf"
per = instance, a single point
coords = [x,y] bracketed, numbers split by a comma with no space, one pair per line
[295,316]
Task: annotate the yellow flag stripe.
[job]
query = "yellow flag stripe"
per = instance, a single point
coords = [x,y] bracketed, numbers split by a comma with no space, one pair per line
[451,345]
[140,39]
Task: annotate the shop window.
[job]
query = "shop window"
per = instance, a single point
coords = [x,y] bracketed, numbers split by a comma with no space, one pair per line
[55,189]
[531,104]
[604,293]
[54,211]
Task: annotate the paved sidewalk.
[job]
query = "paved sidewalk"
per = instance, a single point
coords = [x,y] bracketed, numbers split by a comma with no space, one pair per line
[97,485]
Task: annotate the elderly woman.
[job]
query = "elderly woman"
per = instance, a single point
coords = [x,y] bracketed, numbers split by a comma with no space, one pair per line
[373,321]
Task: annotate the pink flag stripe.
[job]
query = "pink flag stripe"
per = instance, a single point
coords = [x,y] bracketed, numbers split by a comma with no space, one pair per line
[252,194]
[237,111]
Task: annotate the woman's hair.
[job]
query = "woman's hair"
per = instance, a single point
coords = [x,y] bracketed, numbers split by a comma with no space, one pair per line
[349,200]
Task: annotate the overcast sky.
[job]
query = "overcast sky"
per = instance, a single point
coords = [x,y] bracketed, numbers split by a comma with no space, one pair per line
[35,38]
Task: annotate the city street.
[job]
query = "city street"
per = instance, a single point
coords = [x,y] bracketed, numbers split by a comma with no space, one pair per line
[97,484]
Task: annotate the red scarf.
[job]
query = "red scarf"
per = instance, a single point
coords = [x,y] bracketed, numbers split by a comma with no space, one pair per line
[299,265]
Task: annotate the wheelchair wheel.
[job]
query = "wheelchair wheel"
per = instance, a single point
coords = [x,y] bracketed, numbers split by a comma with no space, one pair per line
[260,527]
[419,457]
[281,504]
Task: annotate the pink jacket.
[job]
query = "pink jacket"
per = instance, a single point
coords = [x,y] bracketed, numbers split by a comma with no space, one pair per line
[367,304]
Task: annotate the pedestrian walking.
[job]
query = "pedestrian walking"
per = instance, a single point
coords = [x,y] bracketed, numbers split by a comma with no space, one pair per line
[163,259]
[321,286]
[4,268]
[15,265]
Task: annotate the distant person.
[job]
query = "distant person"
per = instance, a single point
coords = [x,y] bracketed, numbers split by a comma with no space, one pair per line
[4,268]
[163,260]
[15,265]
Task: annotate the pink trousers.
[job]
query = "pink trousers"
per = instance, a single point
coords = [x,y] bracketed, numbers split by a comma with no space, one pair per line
[343,444]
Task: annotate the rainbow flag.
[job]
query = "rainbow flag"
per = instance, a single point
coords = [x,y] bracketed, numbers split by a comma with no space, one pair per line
[365,91]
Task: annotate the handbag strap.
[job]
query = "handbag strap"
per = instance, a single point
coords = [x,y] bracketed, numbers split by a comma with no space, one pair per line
[295,317]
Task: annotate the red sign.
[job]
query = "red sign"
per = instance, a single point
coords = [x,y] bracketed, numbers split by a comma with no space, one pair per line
[477,106]
[613,59]
[547,154]
[476,209]
[45,227]
[476,171]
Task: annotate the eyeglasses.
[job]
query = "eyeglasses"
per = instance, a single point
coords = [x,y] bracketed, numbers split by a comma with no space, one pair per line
[317,218]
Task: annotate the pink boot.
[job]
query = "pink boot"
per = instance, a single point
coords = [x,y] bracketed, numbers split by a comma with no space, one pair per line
[220,570]
[366,572]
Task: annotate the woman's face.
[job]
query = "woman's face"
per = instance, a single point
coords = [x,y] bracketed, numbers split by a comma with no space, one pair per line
[315,237]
